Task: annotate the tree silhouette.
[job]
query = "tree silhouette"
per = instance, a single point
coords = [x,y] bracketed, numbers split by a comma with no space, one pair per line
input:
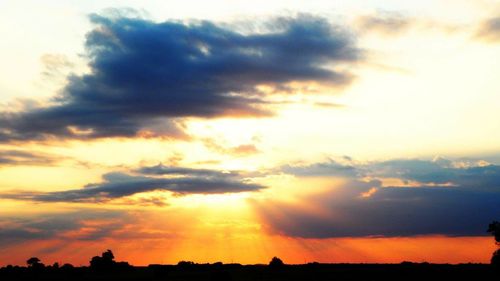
[494,229]
[104,262]
[35,263]
[32,261]
[67,266]
[108,255]
[276,262]
[495,259]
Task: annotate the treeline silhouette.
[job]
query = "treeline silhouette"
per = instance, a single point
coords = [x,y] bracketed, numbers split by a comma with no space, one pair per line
[104,267]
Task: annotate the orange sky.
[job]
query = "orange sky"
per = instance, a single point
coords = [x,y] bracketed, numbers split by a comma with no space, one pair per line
[260,249]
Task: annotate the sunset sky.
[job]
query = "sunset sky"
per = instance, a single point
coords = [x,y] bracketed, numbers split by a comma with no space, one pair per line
[235,131]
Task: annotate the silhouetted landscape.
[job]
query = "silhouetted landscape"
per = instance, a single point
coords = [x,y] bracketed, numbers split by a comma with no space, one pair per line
[104,267]
[184,270]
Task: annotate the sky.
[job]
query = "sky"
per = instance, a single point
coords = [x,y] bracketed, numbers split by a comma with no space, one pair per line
[235,131]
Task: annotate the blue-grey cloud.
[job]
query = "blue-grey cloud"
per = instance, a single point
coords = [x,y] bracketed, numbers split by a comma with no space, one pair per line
[446,197]
[145,75]
[118,185]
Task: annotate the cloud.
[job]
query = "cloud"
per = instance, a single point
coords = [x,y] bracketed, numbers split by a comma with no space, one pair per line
[392,23]
[62,228]
[116,185]
[388,23]
[145,76]
[161,169]
[328,105]
[331,168]
[343,211]
[445,197]
[10,157]
[489,30]
[84,224]
[55,65]
[239,150]
[477,175]
[461,172]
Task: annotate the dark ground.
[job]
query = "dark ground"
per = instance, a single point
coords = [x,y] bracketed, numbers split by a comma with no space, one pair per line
[218,271]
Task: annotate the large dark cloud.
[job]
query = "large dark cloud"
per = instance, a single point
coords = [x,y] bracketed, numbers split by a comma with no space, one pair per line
[115,185]
[446,197]
[144,75]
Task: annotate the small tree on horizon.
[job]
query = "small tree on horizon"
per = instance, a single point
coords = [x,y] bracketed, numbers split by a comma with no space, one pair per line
[276,262]
[34,262]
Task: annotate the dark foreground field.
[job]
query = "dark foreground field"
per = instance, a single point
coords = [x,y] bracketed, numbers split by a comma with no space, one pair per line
[314,271]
